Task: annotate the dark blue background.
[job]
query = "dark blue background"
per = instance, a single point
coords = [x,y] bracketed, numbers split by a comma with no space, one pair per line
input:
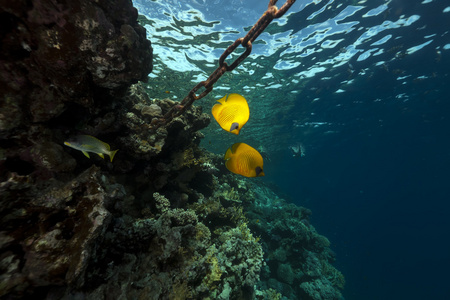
[379,187]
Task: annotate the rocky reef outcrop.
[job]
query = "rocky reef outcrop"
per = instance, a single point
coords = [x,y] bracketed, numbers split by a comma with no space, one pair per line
[299,260]
[55,53]
[165,219]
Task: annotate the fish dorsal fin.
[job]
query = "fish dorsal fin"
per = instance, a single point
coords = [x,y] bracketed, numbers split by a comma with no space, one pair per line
[101,142]
[217,107]
[107,146]
[223,99]
[235,98]
[235,147]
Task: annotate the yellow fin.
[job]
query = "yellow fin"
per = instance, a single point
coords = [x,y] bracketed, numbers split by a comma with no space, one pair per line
[235,147]
[236,98]
[101,155]
[91,139]
[112,153]
[106,145]
[86,154]
[218,107]
[223,99]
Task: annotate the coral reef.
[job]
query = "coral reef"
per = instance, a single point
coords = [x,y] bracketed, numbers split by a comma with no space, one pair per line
[165,220]
[298,258]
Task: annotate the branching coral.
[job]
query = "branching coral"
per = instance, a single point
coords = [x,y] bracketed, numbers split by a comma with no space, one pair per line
[333,275]
[215,272]
[299,258]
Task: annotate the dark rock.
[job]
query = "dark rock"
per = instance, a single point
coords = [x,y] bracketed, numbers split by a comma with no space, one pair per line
[57,54]
[64,225]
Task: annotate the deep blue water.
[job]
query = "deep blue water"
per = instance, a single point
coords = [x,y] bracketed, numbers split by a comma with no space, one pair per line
[364,86]
[380,191]
[382,200]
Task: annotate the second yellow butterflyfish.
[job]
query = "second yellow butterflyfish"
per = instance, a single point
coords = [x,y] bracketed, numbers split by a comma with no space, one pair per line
[231,112]
[244,160]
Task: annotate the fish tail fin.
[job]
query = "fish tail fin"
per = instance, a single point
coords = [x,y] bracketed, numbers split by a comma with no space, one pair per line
[112,153]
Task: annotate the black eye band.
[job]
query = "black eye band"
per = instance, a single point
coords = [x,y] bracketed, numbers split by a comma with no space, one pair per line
[234,126]
[258,170]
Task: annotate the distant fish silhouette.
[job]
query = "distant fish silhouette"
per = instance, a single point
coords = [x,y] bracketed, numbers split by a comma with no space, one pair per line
[87,143]
[231,112]
[244,160]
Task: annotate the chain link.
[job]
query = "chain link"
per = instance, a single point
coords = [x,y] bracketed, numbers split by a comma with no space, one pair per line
[271,13]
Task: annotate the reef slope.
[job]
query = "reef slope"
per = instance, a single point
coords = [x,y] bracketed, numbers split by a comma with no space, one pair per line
[165,219]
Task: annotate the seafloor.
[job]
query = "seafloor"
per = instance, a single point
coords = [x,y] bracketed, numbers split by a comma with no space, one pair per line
[165,219]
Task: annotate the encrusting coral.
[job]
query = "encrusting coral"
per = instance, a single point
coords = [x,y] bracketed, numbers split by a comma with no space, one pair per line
[298,258]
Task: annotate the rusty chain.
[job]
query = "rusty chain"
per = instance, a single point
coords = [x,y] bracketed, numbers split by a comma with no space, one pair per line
[271,13]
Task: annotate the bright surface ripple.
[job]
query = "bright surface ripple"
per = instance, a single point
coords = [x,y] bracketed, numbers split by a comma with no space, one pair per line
[319,52]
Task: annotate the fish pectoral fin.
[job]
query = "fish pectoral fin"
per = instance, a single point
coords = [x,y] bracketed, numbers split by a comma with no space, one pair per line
[86,154]
[101,155]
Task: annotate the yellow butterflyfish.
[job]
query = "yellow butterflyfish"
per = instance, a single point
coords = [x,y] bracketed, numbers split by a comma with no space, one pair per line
[244,160]
[231,112]
[87,143]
